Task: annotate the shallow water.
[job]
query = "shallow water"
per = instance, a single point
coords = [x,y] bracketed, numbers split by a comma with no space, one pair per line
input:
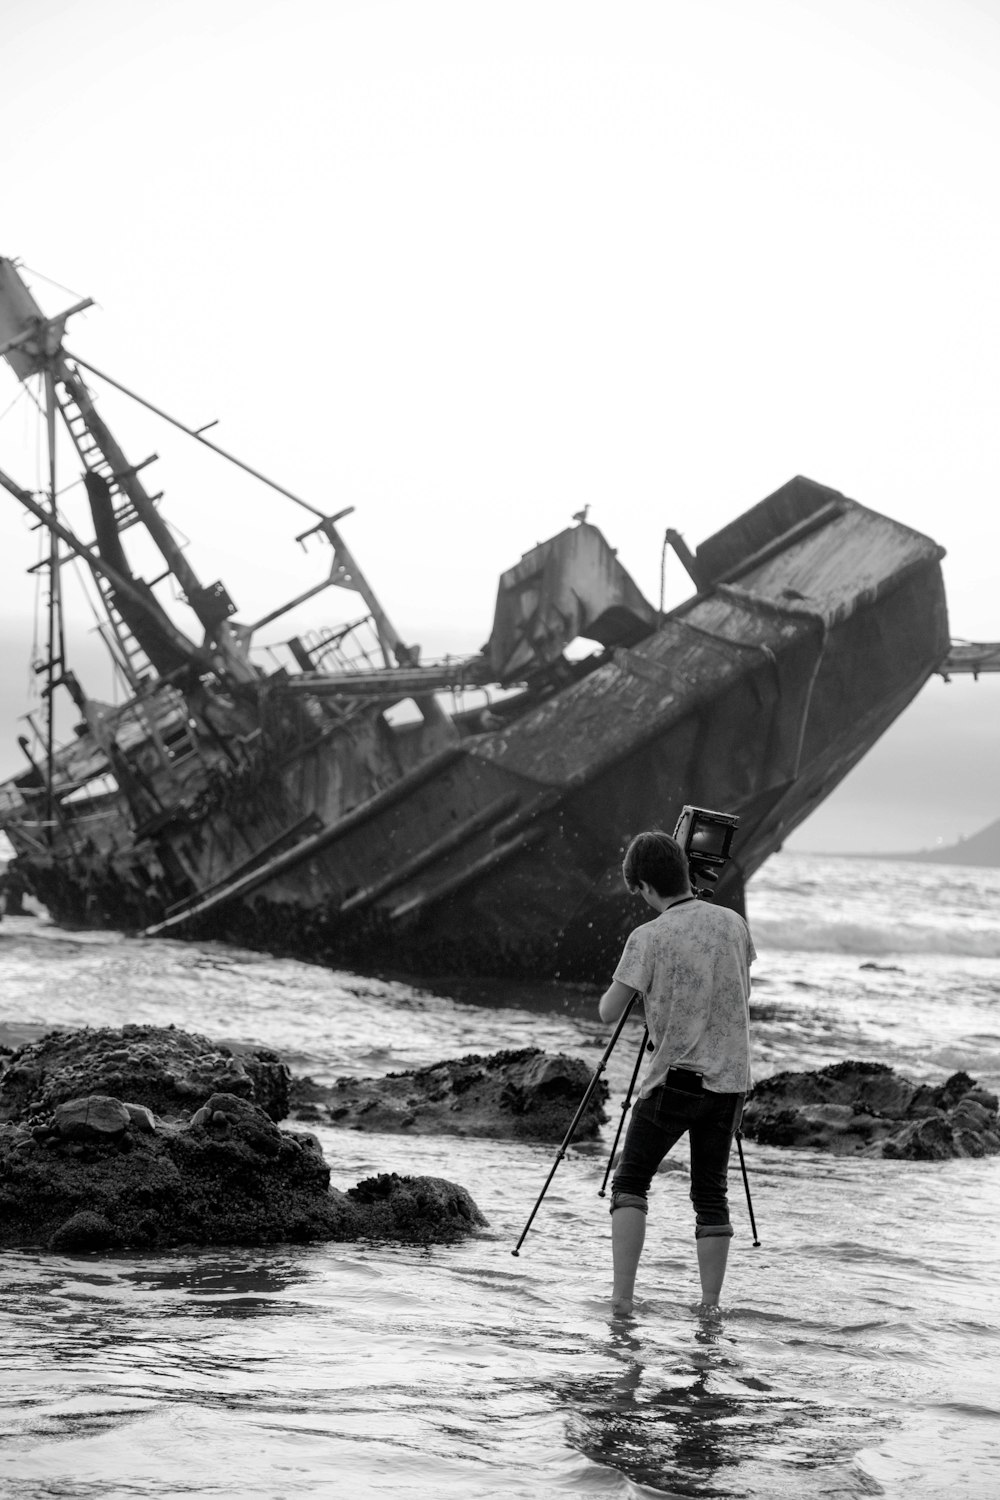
[857,1351]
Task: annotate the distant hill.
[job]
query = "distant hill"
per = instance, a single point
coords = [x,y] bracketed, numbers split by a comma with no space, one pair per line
[982,848]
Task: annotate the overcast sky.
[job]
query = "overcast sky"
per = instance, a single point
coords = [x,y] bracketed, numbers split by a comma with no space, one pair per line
[468,266]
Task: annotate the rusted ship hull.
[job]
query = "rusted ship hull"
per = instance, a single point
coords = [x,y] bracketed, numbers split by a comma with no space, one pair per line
[502,854]
[278,794]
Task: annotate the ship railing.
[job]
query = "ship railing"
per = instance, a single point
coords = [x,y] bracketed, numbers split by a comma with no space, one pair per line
[350,647]
[454,673]
[346,648]
[972,657]
[63,839]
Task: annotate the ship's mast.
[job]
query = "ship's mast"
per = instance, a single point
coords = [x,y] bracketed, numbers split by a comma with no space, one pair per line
[33,345]
[56,641]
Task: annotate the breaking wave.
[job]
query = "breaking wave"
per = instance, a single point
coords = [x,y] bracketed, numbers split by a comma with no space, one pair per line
[872,939]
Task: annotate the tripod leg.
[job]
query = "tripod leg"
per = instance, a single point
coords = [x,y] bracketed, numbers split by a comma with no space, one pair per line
[746,1185]
[588,1095]
[625,1108]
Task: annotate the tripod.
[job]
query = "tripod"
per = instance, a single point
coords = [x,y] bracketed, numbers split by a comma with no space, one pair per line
[588,1095]
[626,1104]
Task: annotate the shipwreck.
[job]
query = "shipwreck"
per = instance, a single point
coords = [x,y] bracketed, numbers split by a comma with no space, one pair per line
[280,804]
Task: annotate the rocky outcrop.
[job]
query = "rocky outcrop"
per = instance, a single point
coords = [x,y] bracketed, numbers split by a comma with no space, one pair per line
[87,1169]
[866,1108]
[169,1071]
[524,1095]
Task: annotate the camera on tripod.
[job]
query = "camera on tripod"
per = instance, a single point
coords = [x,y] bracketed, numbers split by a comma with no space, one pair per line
[705,837]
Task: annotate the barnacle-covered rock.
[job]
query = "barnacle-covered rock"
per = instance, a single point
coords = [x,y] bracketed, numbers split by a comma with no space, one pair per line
[94,1173]
[522,1095]
[414,1208]
[169,1071]
[866,1108]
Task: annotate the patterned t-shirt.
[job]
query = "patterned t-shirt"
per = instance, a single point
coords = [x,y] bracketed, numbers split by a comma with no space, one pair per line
[691,964]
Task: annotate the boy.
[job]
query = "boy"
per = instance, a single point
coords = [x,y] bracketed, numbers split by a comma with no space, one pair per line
[691,964]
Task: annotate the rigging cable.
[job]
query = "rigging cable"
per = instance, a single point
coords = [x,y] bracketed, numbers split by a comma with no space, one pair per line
[41,274]
[32,687]
[8,409]
[87,583]
[197,434]
[32,397]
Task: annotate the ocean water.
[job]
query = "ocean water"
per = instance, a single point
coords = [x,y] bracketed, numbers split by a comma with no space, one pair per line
[857,1351]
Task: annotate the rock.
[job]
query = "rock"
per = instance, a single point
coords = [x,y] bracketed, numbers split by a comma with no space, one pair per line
[95,1118]
[92,1174]
[985,1097]
[523,1095]
[168,1071]
[414,1208]
[141,1118]
[866,1108]
[82,1232]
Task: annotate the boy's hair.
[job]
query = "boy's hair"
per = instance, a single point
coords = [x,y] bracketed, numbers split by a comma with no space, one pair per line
[658,859]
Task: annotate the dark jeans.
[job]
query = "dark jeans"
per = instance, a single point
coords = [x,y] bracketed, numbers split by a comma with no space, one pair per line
[658,1123]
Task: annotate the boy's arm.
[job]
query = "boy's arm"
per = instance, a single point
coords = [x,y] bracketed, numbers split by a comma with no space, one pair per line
[614,1000]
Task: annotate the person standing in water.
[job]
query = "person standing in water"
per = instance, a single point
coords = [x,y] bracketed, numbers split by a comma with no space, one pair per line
[691,965]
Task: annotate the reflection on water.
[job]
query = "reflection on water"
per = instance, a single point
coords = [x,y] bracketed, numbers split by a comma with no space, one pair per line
[220,1277]
[702,1424]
